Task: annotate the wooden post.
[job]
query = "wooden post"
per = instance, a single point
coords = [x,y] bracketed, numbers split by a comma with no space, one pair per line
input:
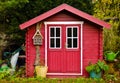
[37,58]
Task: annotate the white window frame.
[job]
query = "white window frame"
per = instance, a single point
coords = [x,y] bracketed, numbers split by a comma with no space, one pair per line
[55,37]
[72,37]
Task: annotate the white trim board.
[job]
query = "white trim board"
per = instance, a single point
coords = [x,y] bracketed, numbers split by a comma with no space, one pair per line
[81,44]
[45,44]
[64,74]
[63,22]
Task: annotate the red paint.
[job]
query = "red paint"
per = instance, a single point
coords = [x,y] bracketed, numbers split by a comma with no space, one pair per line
[64,60]
[59,9]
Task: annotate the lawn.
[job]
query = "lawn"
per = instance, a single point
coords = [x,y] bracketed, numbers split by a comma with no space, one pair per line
[17,78]
[56,80]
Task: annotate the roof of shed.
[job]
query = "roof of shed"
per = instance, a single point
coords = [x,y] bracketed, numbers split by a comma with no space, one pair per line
[59,9]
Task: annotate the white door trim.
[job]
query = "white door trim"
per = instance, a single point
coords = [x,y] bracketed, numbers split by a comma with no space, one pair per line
[81,39]
[63,22]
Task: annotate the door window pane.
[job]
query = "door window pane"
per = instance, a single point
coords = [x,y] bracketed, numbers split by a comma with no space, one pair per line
[75,42]
[57,42]
[69,43]
[69,32]
[52,30]
[74,32]
[57,32]
[52,42]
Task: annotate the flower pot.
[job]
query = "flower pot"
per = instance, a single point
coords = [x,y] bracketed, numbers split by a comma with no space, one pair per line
[95,75]
[41,71]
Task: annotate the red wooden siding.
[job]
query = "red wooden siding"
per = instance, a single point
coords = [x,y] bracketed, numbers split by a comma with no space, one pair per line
[30,50]
[30,53]
[101,44]
[92,44]
[64,16]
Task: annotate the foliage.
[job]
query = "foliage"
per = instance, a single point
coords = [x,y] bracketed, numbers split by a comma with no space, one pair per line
[9,21]
[4,74]
[102,65]
[1,61]
[97,67]
[12,79]
[90,67]
[45,80]
[110,78]
[117,64]
[20,72]
[109,10]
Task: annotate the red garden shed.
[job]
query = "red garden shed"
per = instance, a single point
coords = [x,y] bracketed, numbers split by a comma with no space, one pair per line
[70,40]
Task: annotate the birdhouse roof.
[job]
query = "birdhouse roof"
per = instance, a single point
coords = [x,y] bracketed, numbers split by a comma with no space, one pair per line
[59,9]
[37,33]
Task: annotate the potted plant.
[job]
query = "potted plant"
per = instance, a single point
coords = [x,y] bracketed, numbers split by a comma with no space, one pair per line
[110,56]
[95,70]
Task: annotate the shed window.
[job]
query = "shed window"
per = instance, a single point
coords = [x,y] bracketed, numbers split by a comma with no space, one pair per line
[55,37]
[72,37]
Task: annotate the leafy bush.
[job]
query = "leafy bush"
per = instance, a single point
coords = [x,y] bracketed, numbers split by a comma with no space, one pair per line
[4,74]
[98,67]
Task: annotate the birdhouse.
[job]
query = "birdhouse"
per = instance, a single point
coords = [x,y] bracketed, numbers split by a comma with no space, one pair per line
[37,38]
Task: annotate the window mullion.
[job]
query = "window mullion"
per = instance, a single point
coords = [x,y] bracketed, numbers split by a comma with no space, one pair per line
[55,37]
[60,37]
[72,37]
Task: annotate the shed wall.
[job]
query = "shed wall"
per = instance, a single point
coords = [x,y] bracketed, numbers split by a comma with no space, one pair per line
[92,44]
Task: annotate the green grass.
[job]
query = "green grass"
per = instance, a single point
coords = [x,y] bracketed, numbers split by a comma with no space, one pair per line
[7,78]
[55,80]
[50,80]
[16,78]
